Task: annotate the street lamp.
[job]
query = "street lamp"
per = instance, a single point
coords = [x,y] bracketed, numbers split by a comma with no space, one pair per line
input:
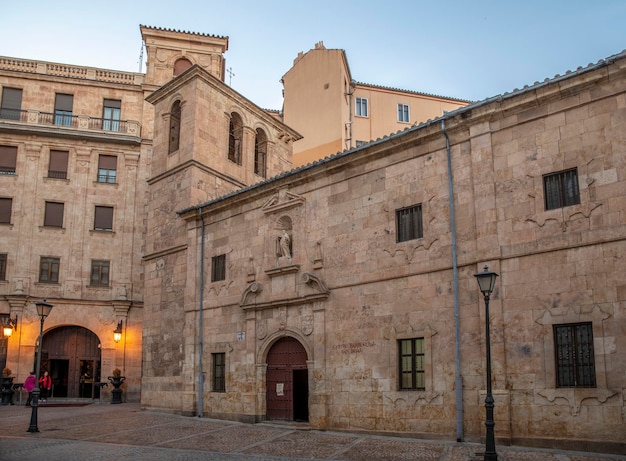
[486,282]
[43,310]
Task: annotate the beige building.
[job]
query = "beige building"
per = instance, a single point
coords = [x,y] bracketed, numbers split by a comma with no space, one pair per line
[343,293]
[75,157]
[334,113]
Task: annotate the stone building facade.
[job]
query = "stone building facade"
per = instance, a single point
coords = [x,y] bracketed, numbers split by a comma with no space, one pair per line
[75,155]
[343,293]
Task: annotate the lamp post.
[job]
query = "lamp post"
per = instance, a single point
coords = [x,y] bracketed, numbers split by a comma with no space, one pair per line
[486,282]
[43,310]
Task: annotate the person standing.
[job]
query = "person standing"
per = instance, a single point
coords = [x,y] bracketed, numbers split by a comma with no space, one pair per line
[29,385]
[45,383]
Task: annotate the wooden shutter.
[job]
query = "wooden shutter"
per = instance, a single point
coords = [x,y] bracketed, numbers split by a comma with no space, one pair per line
[107,162]
[104,218]
[8,159]
[5,210]
[58,164]
[64,102]
[54,214]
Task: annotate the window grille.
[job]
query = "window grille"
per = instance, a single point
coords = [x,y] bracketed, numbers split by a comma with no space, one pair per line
[561,189]
[575,362]
[412,369]
[409,223]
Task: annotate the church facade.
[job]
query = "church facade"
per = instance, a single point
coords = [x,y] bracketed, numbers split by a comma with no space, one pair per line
[342,293]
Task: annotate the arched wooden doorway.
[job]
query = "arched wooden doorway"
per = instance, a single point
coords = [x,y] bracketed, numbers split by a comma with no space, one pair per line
[287,391]
[71,355]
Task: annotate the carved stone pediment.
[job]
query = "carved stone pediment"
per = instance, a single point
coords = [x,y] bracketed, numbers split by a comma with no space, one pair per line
[281,201]
[311,289]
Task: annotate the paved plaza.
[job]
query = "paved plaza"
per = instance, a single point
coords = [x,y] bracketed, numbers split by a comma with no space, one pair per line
[109,432]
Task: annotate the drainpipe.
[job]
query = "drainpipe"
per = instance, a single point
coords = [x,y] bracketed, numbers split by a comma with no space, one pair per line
[200,327]
[455,276]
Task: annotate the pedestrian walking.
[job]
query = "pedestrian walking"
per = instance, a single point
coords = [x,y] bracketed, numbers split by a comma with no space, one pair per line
[45,384]
[29,385]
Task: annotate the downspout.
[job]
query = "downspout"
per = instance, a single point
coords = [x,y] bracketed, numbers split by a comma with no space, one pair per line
[200,327]
[457,338]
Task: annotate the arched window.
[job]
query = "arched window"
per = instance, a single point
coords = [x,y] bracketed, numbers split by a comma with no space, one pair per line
[174,138]
[235,137]
[181,65]
[260,153]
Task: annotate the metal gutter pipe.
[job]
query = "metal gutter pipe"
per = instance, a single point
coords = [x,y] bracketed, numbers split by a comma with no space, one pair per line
[200,326]
[457,349]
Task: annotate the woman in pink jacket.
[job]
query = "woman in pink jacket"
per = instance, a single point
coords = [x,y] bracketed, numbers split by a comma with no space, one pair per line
[29,385]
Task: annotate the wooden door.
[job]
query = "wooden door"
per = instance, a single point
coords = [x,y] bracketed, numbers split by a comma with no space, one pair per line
[287,385]
[76,349]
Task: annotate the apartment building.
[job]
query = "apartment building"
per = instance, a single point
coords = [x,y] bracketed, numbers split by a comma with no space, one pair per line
[333,112]
[75,158]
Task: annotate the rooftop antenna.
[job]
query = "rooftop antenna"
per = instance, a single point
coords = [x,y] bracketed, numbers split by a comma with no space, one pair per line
[231,74]
[141,57]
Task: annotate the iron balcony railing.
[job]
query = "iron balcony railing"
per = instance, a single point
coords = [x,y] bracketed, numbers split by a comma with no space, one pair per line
[68,120]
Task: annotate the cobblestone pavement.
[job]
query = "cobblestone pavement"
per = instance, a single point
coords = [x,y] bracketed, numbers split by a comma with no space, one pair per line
[106,432]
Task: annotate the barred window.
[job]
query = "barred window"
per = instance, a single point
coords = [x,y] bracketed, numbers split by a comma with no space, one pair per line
[107,168]
[219,372]
[409,223]
[412,370]
[175,117]
[218,268]
[57,168]
[561,189]
[575,362]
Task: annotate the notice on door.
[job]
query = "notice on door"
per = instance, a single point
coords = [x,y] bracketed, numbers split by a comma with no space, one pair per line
[280,388]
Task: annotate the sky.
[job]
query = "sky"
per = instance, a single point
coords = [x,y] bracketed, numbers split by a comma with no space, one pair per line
[467,49]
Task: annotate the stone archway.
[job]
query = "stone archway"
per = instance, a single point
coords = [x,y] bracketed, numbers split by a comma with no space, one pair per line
[287,389]
[71,355]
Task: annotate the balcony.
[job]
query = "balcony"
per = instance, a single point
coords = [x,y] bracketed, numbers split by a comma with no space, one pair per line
[73,126]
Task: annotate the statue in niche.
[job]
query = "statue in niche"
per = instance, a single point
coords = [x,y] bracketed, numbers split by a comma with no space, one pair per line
[284,243]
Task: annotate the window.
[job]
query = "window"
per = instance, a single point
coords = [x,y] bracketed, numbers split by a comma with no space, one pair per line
[99,273]
[573,347]
[409,223]
[5,210]
[3,266]
[53,216]
[8,159]
[107,168]
[49,270]
[403,113]
[219,372]
[218,268]
[561,189]
[260,153]
[235,136]
[412,367]
[11,105]
[181,65]
[63,104]
[111,115]
[174,139]
[58,164]
[361,107]
[103,220]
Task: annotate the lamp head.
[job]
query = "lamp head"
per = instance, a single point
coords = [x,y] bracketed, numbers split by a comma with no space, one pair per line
[8,325]
[486,281]
[117,333]
[43,309]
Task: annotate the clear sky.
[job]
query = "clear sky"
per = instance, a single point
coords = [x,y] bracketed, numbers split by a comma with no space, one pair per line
[469,49]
